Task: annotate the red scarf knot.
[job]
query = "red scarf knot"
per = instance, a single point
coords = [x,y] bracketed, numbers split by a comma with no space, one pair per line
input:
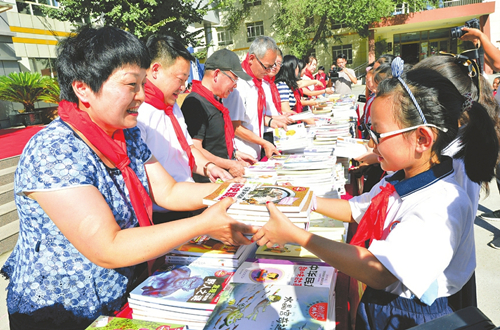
[155,97]
[372,224]
[228,124]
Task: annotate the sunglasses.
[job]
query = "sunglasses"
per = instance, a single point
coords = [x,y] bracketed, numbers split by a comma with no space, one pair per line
[232,79]
[265,67]
[377,136]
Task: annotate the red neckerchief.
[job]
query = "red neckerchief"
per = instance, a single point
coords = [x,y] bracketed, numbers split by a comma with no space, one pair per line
[261,101]
[321,77]
[115,149]
[308,74]
[228,124]
[297,93]
[275,93]
[372,224]
[155,97]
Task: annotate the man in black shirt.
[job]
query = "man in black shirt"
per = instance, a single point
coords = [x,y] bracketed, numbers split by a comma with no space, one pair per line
[208,120]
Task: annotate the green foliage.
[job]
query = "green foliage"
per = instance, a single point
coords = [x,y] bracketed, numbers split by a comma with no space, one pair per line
[140,17]
[292,21]
[52,92]
[380,46]
[26,88]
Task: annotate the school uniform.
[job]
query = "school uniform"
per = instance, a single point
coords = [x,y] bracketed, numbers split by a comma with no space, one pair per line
[427,244]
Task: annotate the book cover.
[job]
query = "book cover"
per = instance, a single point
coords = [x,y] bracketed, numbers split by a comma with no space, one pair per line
[254,197]
[209,247]
[118,323]
[271,307]
[286,273]
[184,285]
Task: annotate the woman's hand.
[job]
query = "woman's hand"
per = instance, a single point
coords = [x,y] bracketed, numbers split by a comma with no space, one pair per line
[215,172]
[246,158]
[278,230]
[224,228]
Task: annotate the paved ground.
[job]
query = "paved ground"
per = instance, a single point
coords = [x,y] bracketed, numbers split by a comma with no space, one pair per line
[488,259]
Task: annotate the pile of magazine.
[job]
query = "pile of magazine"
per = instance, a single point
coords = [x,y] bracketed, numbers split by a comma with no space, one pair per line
[206,251]
[251,198]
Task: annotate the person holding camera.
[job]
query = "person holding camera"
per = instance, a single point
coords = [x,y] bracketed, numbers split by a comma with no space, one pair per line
[346,76]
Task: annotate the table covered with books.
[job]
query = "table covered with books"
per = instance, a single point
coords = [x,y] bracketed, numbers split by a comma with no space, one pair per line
[205,284]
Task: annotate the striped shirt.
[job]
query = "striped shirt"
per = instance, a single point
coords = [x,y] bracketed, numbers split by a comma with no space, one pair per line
[286,94]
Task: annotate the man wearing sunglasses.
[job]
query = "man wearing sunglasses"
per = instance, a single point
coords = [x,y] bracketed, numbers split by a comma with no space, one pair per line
[247,104]
[208,120]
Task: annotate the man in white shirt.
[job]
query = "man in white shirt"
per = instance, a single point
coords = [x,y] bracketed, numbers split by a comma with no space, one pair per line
[162,124]
[247,103]
[346,78]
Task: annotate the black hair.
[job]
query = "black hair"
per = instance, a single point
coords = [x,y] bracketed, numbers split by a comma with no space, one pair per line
[92,55]
[441,103]
[287,72]
[459,76]
[386,58]
[321,68]
[342,56]
[167,49]
[382,72]
[302,65]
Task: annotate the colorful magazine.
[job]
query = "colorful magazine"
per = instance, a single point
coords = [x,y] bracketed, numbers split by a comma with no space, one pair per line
[271,307]
[118,323]
[209,247]
[197,287]
[254,197]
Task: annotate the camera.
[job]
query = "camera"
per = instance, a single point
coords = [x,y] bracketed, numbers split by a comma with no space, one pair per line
[335,72]
[457,32]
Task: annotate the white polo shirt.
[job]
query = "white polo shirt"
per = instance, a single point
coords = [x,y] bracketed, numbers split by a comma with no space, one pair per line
[158,133]
[270,107]
[428,237]
[242,106]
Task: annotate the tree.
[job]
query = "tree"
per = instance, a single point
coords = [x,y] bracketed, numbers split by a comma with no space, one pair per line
[26,88]
[140,17]
[297,21]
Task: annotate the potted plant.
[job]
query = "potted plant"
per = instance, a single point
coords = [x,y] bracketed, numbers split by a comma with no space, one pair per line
[25,88]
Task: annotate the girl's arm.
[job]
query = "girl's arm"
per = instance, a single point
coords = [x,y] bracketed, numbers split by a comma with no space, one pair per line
[354,261]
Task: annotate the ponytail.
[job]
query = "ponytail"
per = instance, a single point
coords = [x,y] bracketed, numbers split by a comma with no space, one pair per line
[479,145]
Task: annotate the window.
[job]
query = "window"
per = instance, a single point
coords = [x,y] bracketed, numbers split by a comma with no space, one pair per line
[342,49]
[254,29]
[45,66]
[254,3]
[336,25]
[224,36]
[34,7]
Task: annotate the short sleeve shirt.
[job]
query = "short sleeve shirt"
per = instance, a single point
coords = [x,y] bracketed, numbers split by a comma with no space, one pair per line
[286,94]
[343,84]
[45,268]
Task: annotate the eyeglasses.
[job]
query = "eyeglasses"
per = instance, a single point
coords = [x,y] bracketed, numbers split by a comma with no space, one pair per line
[279,64]
[265,67]
[235,81]
[377,136]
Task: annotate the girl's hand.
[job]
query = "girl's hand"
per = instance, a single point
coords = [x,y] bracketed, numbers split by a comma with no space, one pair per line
[279,230]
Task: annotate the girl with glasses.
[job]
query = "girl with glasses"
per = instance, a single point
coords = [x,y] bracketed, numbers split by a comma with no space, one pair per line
[414,246]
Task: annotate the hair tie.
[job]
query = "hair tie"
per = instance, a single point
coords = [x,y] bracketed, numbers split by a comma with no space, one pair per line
[467,105]
[397,67]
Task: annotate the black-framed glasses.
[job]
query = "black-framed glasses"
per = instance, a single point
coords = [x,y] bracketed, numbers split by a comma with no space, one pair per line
[265,67]
[377,136]
[235,81]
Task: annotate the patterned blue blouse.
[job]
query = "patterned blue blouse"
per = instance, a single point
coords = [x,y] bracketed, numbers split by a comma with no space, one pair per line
[45,269]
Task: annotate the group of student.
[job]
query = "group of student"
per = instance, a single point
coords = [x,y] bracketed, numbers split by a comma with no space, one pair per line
[85,185]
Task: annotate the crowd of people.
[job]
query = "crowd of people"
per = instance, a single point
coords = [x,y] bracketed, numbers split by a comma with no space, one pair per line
[118,179]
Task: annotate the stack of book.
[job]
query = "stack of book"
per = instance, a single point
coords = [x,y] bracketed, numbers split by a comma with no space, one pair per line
[179,294]
[268,294]
[206,251]
[251,198]
[293,139]
[118,323]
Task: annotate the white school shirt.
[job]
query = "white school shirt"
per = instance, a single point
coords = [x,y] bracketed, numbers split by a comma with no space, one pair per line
[158,133]
[428,237]
[270,107]
[242,106]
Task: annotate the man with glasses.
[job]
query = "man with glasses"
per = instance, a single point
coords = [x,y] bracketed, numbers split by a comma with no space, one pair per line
[208,120]
[247,104]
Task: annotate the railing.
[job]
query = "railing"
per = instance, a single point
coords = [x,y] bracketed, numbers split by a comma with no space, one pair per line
[360,70]
[405,8]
